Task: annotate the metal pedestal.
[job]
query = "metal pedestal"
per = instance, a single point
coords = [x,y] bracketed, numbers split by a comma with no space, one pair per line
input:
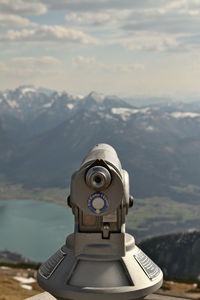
[93,275]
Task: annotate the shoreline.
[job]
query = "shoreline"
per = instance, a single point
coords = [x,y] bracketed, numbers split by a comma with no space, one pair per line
[57,202]
[57,196]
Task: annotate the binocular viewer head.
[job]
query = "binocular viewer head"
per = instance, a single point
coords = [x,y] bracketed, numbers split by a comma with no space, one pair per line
[100,186]
[99,193]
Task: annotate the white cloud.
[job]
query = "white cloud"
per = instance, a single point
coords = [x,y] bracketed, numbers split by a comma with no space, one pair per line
[14,20]
[142,14]
[112,17]
[88,18]
[136,25]
[91,63]
[141,25]
[146,7]
[183,4]
[29,66]
[144,41]
[126,68]
[35,61]
[164,35]
[2,66]
[22,7]
[185,7]
[47,33]
[91,5]
[173,7]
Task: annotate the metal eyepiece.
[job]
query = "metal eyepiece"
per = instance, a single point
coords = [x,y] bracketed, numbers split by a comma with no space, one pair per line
[98,177]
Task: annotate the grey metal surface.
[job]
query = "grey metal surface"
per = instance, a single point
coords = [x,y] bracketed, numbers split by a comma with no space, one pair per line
[103,152]
[98,274]
[115,275]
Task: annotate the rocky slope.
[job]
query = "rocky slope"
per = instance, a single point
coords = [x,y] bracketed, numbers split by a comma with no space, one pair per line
[178,255]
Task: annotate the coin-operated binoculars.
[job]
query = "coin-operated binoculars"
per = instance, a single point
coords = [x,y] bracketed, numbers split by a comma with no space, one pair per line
[99,260]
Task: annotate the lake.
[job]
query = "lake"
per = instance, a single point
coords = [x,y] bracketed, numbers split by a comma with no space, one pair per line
[34,228]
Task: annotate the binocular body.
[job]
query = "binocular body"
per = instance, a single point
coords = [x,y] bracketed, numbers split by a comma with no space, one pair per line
[99,260]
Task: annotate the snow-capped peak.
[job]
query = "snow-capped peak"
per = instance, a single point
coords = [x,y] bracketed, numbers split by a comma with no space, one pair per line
[27,89]
[13,103]
[98,97]
[125,113]
[181,115]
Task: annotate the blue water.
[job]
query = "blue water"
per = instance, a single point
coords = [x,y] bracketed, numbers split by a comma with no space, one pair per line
[33,228]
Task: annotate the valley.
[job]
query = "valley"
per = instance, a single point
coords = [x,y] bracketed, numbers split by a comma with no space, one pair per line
[148,217]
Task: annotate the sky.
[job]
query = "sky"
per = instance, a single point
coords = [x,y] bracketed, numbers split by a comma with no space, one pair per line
[128,48]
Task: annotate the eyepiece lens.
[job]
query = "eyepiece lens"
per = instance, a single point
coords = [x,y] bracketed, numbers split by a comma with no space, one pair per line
[98,177]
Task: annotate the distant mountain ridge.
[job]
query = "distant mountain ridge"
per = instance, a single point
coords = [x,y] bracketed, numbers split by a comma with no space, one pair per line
[14,258]
[33,110]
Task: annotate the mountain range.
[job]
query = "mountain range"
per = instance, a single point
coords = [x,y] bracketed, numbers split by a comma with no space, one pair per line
[45,135]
